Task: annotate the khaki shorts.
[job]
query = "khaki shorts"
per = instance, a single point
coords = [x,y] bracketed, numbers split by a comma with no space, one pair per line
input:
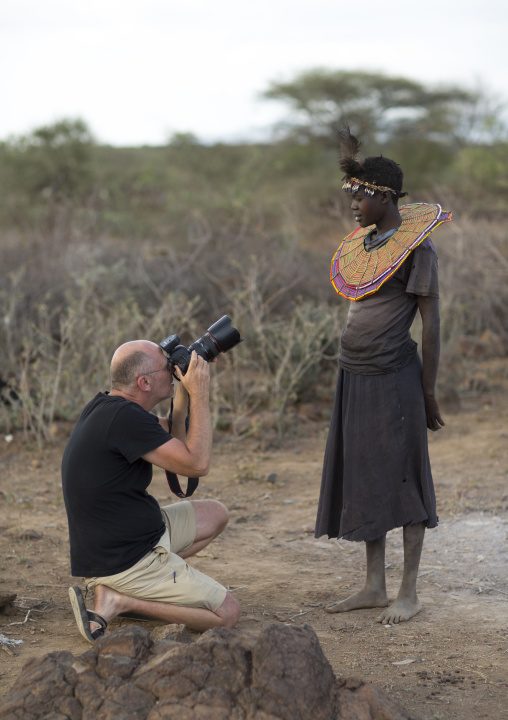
[163,576]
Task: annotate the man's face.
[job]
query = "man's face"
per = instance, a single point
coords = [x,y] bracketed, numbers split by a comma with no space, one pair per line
[162,377]
[368,210]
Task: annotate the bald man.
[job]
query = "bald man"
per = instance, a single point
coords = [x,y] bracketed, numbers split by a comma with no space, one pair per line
[130,550]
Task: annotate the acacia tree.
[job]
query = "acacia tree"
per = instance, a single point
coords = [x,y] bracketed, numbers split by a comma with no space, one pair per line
[380,108]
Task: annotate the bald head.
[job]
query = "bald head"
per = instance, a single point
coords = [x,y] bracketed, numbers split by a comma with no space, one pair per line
[133,359]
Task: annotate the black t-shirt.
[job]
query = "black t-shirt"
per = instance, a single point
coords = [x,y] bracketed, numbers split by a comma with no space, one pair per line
[113,521]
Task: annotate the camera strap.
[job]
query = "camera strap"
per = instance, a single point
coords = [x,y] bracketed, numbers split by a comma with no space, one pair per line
[175,487]
[172,478]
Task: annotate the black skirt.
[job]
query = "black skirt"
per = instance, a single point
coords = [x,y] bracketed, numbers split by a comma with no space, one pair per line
[376,472]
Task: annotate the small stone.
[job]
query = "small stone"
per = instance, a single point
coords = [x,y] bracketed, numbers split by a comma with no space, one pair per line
[7,598]
[29,535]
[167,632]
[309,411]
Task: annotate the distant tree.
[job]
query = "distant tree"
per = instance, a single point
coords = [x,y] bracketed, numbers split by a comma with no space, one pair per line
[183,139]
[482,121]
[54,160]
[381,109]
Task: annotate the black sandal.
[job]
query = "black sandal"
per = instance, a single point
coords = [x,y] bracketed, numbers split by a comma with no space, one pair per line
[84,617]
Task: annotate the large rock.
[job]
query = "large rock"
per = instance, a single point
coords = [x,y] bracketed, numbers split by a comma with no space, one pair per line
[225,675]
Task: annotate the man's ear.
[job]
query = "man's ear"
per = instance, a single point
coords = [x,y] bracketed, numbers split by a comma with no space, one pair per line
[143,383]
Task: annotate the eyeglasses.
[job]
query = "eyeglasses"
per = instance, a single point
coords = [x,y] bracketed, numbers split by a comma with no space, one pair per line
[151,372]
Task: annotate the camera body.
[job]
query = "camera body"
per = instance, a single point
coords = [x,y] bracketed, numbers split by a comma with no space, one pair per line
[220,337]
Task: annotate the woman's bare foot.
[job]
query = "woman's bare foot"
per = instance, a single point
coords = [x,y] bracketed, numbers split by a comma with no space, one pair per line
[399,611]
[363,599]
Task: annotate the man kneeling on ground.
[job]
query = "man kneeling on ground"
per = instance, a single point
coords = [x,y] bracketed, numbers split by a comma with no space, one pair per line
[130,550]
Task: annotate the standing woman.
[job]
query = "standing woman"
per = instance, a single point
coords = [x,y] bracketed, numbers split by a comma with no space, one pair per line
[376,473]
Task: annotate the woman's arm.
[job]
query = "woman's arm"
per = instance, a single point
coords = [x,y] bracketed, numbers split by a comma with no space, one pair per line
[429,310]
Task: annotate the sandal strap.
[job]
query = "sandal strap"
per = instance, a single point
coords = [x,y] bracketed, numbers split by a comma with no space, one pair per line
[96,618]
[96,634]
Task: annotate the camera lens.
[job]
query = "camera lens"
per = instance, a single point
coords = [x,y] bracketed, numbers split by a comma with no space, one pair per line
[220,337]
[223,335]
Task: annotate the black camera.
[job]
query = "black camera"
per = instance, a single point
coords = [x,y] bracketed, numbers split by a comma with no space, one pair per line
[220,337]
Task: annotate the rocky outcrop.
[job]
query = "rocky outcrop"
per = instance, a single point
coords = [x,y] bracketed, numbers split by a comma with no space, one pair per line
[225,675]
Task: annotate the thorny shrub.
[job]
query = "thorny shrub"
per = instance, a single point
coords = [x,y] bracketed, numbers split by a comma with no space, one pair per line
[70,294]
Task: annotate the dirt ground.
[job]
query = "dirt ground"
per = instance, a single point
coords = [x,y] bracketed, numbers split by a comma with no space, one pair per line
[449,663]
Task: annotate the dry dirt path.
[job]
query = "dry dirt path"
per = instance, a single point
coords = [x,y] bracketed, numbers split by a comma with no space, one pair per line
[448,663]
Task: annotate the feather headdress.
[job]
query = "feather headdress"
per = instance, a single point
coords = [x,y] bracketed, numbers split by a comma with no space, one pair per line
[373,173]
[349,147]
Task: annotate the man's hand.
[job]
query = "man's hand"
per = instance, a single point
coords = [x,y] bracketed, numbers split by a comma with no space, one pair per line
[434,419]
[197,378]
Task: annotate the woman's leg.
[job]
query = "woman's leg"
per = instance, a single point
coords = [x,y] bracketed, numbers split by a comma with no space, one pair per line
[407,603]
[373,593]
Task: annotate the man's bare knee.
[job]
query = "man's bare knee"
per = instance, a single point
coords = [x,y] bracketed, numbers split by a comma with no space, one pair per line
[222,516]
[229,611]
[211,517]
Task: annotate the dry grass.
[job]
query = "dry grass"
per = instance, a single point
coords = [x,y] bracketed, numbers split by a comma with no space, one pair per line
[71,294]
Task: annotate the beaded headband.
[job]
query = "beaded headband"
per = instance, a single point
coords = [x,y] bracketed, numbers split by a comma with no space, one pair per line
[352,185]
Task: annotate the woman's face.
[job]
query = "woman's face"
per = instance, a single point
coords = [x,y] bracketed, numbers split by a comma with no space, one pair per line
[368,209]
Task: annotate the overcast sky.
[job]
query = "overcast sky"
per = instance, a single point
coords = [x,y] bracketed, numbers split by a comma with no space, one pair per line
[139,70]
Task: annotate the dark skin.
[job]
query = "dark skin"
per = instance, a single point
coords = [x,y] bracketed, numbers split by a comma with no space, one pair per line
[429,311]
[381,210]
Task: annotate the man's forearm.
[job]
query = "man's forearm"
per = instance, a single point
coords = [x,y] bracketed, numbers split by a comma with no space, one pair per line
[180,410]
[199,435]
[190,455]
